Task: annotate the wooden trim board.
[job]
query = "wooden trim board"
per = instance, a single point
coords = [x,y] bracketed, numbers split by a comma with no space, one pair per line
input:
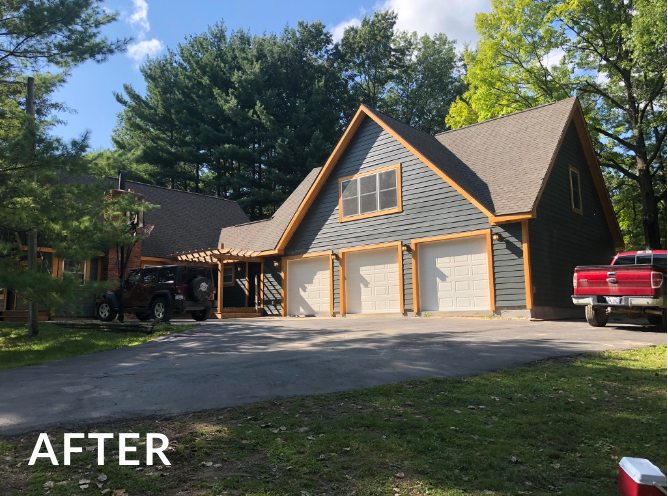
[528,283]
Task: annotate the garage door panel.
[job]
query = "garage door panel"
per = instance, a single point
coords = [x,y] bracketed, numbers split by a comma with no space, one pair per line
[454,275]
[309,286]
[372,281]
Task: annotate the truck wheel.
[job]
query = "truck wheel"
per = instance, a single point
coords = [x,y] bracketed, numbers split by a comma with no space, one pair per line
[201,315]
[657,320]
[596,316]
[161,310]
[105,312]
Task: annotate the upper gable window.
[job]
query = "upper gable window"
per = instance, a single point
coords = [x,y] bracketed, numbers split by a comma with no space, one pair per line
[576,194]
[370,194]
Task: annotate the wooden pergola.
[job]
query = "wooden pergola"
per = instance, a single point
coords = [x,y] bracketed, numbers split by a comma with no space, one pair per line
[220,256]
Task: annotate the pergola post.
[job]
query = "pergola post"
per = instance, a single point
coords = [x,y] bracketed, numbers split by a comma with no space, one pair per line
[219,313]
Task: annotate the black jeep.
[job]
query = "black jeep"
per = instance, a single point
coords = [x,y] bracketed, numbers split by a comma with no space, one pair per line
[158,292]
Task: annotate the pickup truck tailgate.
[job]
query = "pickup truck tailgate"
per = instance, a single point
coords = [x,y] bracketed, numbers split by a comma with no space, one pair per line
[615,280]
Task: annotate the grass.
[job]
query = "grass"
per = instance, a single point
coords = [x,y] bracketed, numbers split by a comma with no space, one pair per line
[554,427]
[53,342]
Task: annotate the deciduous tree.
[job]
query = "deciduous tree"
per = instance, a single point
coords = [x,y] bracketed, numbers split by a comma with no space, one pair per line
[610,53]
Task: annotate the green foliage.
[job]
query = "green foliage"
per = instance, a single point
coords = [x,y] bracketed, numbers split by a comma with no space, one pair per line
[427,82]
[612,55]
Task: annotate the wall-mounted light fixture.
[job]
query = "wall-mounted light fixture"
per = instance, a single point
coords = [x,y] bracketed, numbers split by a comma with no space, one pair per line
[497,237]
[240,267]
[407,248]
[277,263]
[335,256]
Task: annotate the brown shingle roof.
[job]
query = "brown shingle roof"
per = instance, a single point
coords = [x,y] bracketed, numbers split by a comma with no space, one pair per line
[185,221]
[491,159]
[512,154]
[264,235]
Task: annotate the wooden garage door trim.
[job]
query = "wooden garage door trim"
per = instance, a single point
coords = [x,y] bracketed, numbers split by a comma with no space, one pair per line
[415,247]
[342,270]
[284,276]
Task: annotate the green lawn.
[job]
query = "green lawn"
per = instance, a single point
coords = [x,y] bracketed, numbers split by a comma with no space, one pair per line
[555,427]
[53,342]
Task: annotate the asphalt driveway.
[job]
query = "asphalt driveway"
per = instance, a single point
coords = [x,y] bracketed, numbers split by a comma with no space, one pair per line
[233,362]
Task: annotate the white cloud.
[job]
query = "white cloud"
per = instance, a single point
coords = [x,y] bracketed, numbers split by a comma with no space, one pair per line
[553,57]
[337,31]
[139,21]
[147,48]
[139,17]
[452,17]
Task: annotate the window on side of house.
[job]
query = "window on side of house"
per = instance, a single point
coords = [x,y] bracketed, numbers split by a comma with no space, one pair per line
[228,275]
[370,194]
[75,270]
[576,194]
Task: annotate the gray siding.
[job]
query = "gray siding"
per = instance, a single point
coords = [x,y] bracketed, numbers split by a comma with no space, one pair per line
[431,207]
[509,266]
[272,287]
[560,239]
[235,296]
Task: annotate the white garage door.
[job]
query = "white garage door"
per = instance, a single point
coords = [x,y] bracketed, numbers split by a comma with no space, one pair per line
[372,281]
[454,275]
[308,286]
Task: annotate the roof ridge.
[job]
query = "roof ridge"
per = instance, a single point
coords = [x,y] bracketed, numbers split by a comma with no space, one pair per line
[504,116]
[179,190]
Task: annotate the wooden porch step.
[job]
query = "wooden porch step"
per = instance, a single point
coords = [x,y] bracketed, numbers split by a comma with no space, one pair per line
[239,315]
[238,310]
[22,316]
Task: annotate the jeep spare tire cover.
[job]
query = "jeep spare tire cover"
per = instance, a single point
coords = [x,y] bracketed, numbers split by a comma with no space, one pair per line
[201,289]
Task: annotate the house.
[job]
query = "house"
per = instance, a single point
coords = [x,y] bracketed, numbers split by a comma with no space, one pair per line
[488,219]
[184,221]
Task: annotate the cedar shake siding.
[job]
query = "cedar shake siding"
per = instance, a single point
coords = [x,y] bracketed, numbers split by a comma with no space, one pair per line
[561,239]
[431,207]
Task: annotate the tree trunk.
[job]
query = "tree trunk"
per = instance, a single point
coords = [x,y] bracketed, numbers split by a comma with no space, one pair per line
[650,218]
[121,272]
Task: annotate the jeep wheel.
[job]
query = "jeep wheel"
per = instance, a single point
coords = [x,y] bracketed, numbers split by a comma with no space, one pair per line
[143,316]
[105,312]
[161,310]
[201,315]
[596,316]
[201,289]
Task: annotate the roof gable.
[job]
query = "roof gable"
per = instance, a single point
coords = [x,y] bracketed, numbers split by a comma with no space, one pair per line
[501,165]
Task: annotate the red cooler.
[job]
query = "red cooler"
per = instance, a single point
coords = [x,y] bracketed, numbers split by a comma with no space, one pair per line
[640,477]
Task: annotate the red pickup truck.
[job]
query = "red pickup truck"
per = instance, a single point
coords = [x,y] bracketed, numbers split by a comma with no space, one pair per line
[633,284]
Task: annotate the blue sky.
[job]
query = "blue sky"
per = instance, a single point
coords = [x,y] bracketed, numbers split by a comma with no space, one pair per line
[156,25]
